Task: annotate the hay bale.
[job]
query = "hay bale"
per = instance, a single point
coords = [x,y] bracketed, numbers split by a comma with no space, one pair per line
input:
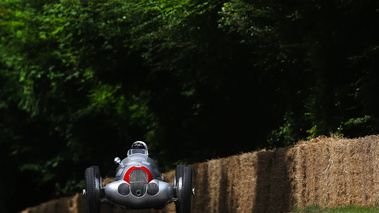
[336,172]
[324,171]
[61,205]
[374,151]
[214,171]
[280,184]
[245,189]
[230,182]
[200,202]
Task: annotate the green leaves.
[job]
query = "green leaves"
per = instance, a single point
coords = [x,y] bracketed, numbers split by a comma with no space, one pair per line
[246,19]
[83,79]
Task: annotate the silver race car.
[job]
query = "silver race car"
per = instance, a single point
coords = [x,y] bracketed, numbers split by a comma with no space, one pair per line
[138,184]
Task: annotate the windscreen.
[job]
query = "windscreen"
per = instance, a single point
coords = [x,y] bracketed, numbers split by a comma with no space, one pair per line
[137,151]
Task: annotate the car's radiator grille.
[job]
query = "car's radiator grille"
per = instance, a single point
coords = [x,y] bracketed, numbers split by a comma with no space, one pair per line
[138,182]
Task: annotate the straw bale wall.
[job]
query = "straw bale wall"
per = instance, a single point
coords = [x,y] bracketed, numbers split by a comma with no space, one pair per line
[336,172]
[324,171]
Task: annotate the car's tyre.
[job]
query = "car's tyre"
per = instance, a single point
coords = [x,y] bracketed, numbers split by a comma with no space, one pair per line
[98,177]
[178,173]
[93,189]
[183,185]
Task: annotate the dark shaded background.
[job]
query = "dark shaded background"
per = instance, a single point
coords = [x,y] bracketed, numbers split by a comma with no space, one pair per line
[81,80]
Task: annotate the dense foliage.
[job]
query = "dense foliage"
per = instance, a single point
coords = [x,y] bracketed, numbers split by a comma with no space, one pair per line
[81,80]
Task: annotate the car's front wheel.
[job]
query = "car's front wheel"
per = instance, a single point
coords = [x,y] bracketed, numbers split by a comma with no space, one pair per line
[93,189]
[183,186]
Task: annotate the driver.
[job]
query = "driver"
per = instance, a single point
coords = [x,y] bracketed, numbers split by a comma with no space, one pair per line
[139,145]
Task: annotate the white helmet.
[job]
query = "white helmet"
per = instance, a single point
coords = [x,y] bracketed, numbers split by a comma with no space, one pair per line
[139,145]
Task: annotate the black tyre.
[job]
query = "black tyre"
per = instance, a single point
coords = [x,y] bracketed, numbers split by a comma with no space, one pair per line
[178,173]
[183,184]
[98,177]
[93,189]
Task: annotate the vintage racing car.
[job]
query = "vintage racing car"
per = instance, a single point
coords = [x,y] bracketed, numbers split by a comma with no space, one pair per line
[138,184]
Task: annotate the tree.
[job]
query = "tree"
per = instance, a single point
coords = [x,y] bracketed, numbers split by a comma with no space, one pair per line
[195,79]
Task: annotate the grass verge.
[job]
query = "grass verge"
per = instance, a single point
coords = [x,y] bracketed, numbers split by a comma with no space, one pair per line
[350,209]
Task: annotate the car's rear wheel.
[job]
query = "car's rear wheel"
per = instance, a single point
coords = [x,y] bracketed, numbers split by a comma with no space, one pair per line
[183,185]
[93,189]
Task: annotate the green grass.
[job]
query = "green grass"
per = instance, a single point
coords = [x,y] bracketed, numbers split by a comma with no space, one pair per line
[350,209]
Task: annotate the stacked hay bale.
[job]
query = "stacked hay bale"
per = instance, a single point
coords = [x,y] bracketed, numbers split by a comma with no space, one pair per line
[336,172]
[251,182]
[225,185]
[324,171]
[74,204]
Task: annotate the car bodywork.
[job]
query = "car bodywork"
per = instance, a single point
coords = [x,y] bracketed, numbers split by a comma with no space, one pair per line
[138,183]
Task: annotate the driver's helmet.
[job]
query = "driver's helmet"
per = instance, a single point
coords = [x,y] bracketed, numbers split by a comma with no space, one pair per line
[138,147]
